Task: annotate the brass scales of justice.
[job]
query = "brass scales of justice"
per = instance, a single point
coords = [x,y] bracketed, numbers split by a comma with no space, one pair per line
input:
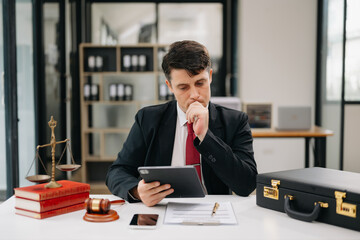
[62,167]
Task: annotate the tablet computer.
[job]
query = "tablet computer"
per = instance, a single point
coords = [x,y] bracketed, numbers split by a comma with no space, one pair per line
[184,180]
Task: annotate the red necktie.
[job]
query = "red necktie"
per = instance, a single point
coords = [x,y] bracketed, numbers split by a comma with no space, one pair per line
[192,155]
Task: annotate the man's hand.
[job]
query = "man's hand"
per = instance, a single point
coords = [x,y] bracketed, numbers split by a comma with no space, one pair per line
[151,193]
[199,116]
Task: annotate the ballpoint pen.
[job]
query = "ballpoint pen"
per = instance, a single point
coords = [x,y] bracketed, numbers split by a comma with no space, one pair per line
[216,206]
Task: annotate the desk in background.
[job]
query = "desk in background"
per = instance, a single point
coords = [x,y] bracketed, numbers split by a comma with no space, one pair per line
[253,223]
[318,133]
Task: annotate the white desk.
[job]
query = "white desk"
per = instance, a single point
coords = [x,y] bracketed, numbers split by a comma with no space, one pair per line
[253,223]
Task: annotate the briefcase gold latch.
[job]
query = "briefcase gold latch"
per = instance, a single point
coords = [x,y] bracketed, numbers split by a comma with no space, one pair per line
[346,209]
[272,192]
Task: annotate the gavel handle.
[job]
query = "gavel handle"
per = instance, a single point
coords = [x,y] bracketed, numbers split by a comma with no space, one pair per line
[117,202]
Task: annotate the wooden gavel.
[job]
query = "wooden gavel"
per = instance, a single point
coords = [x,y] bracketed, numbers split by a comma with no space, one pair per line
[100,205]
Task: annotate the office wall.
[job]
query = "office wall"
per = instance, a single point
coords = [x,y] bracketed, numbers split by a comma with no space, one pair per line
[277,56]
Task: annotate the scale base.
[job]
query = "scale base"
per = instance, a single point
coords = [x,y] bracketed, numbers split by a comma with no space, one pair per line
[53,184]
[107,217]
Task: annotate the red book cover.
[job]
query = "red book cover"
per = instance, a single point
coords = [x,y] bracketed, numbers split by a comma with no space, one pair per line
[50,213]
[50,204]
[39,192]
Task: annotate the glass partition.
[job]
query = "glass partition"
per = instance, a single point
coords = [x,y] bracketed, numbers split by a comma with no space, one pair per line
[352,70]
[202,22]
[123,23]
[331,104]
[25,88]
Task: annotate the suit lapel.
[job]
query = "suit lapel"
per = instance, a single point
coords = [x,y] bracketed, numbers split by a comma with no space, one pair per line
[215,125]
[166,135]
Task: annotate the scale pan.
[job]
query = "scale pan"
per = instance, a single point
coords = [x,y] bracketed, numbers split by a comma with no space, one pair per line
[38,178]
[68,167]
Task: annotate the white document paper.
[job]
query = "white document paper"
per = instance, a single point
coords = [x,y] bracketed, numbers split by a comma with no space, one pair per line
[199,213]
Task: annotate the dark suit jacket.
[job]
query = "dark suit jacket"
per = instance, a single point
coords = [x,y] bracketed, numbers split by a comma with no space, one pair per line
[227,154]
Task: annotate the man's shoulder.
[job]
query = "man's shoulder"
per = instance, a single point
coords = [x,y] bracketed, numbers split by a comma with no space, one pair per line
[156,108]
[155,111]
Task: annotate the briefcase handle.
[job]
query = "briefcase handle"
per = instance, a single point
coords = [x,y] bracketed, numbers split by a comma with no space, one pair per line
[307,217]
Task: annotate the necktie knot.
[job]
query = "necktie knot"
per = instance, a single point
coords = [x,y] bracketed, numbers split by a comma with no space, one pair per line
[191,133]
[190,128]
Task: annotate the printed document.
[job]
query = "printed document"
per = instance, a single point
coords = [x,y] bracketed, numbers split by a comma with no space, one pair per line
[199,213]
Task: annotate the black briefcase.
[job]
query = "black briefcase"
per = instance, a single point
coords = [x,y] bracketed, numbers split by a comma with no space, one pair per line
[309,194]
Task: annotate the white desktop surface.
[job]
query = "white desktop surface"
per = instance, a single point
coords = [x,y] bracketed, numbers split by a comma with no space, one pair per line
[253,223]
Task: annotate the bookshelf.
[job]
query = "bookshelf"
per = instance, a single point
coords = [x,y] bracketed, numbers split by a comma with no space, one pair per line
[114,84]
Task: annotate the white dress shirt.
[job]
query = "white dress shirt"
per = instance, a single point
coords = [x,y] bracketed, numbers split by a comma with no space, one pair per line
[179,151]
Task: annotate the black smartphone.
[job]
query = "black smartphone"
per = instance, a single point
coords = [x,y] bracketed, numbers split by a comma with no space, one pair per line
[144,221]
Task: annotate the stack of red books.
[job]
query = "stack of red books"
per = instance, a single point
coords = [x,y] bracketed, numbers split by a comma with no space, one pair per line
[39,202]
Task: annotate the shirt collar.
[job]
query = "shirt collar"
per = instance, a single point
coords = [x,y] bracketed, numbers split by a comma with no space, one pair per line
[181,115]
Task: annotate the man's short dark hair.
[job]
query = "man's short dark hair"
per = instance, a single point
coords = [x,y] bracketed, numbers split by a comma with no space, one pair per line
[188,55]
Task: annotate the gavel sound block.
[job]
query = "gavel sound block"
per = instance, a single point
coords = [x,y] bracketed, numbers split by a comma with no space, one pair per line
[98,210]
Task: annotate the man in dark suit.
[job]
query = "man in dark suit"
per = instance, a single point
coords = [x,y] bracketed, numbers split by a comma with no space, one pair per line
[157,138]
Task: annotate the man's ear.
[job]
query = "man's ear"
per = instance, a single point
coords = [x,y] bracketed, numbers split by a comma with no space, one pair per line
[210,75]
[168,83]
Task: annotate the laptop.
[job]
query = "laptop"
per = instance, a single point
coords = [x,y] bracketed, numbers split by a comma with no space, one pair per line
[294,118]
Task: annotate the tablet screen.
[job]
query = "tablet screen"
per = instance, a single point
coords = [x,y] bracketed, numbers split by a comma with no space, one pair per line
[184,180]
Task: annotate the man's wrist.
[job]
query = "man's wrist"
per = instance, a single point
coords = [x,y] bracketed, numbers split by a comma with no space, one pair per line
[201,136]
[134,193]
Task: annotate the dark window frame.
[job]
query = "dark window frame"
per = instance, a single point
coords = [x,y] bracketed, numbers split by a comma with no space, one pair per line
[10,97]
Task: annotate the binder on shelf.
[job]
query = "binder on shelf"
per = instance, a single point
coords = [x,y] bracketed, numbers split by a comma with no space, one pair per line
[99,63]
[87,92]
[120,92]
[113,92]
[91,63]
[126,63]
[128,92]
[134,63]
[99,59]
[95,92]
[142,63]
